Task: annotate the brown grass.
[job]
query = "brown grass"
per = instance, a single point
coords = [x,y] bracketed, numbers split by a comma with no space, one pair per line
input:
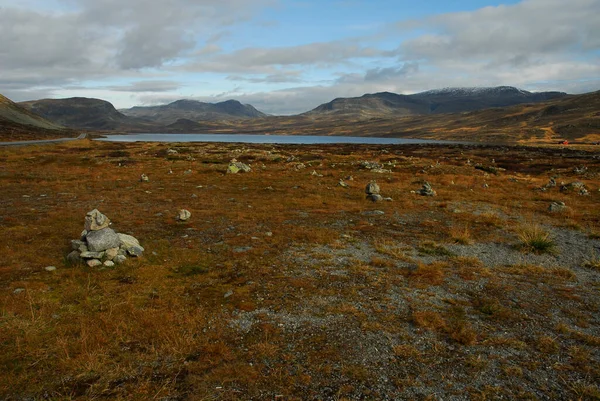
[291,292]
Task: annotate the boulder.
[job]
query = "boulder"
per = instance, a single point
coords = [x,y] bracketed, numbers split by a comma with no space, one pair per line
[101,240]
[183,215]
[94,221]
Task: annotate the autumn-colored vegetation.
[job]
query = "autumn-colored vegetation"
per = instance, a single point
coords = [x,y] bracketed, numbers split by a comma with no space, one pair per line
[286,285]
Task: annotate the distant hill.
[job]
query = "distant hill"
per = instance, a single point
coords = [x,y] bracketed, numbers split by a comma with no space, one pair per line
[193,110]
[14,114]
[448,100]
[84,113]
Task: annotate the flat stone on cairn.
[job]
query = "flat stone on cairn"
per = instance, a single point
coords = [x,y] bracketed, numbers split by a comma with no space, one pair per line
[372,190]
[102,246]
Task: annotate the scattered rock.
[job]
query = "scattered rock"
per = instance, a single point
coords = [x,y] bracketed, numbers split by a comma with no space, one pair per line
[144,178]
[580,170]
[50,268]
[95,221]
[342,184]
[17,291]
[426,190]
[557,207]
[314,172]
[299,166]
[183,215]
[228,294]
[187,172]
[573,186]
[172,152]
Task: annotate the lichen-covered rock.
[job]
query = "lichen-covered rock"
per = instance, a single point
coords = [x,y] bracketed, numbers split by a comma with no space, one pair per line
[120,259]
[73,258]
[94,221]
[111,253]
[102,240]
[135,251]
[127,241]
[109,263]
[92,255]
[236,167]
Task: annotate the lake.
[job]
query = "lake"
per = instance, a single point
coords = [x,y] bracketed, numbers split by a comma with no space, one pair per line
[274,139]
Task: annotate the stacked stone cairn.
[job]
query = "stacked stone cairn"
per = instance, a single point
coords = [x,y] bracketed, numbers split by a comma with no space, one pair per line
[100,245]
[372,190]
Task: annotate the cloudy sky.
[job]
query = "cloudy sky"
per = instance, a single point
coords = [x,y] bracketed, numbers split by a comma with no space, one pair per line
[288,56]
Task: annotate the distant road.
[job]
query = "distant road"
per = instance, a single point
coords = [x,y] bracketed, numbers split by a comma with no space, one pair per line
[42,141]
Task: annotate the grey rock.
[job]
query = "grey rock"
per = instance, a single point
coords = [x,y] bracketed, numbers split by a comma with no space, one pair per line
[228,294]
[144,178]
[102,240]
[372,188]
[73,258]
[187,172]
[375,197]
[94,221]
[94,263]
[184,215]
[120,259]
[172,152]
[314,172]
[342,184]
[127,241]
[83,235]
[109,263]
[50,268]
[573,186]
[92,255]
[557,207]
[135,251]
[17,291]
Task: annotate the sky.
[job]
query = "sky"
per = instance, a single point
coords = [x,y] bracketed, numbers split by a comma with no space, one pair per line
[289,56]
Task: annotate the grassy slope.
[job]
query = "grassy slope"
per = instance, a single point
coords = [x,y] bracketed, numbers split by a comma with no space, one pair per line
[281,286]
[13,113]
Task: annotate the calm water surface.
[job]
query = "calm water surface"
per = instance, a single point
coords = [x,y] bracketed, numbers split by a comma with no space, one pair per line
[276,139]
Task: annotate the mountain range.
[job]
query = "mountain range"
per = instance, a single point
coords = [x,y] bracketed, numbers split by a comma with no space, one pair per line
[379,114]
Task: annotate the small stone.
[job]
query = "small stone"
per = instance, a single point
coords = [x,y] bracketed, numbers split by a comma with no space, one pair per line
[187,172]
[109,263]
[17,291]
[119,259]
[50,268]
[111,253]
[94,221]
[144,178]
[172,152]
[94,263]
[183,215]
[228,294]
[73,258]
[135,251]
[314,172]
[342,184]
[91,255]
[269,234]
